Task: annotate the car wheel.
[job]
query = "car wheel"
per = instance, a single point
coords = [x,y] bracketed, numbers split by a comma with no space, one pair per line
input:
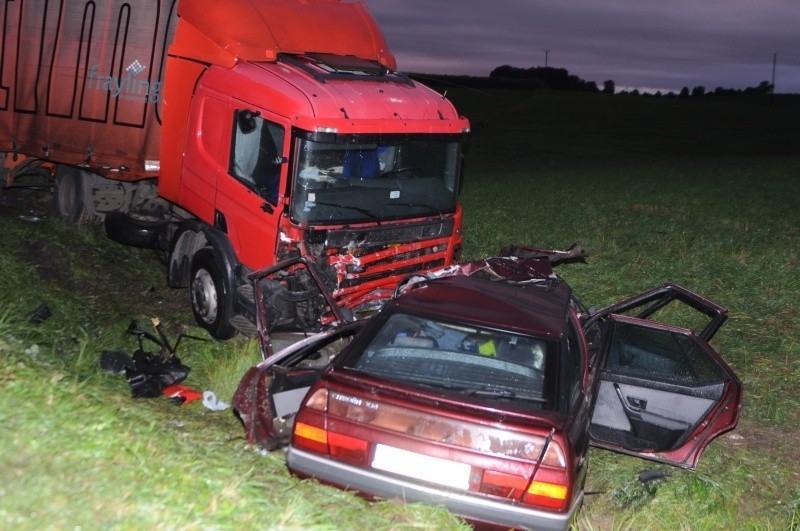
[68,195]
[211,300]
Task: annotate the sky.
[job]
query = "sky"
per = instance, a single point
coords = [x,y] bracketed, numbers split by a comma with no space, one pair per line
[649,45]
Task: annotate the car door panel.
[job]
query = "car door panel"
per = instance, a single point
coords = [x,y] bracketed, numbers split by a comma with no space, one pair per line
[270,393]
[662,408]
[662,392]
[655,419]
[289,387]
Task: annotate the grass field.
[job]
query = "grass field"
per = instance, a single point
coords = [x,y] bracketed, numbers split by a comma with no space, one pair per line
[698,192]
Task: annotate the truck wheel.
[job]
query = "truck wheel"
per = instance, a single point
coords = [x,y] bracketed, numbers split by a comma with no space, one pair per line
[210,298]
[68,195]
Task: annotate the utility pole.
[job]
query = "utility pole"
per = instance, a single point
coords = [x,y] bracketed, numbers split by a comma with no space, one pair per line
[772,91]
[546,53]
[774,62]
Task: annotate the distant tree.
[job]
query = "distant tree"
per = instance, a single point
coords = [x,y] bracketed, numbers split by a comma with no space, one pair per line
[699,91]
[552,78]
[765,87]
[609,86]
[684,92]
[507,71]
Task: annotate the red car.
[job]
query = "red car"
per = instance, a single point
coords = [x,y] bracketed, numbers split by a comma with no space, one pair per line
[482,390]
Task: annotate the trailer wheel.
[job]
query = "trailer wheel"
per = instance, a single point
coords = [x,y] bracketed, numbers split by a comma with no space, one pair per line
[211,300]
[68,195]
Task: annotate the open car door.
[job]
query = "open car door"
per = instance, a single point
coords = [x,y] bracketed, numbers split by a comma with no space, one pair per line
[662,393]
[270,393]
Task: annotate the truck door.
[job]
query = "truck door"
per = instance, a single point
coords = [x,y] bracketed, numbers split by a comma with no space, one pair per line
[250,189]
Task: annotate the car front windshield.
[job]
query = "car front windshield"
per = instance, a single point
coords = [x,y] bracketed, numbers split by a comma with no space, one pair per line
[350,179]
[461,360]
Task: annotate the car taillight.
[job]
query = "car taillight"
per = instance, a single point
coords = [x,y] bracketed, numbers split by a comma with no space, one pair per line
[309,427]
[311,433]
[347,448]
[548,489]
[503,484]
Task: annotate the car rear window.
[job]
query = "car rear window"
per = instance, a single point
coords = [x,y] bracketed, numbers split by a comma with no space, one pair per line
[461,359]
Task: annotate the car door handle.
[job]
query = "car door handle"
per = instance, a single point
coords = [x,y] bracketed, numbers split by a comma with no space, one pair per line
[639,404]
[631,404]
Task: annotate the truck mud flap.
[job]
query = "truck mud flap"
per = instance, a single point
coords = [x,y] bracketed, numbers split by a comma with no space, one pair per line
[135,232]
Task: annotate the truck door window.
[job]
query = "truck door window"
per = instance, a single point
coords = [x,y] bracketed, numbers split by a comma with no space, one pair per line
[256,151]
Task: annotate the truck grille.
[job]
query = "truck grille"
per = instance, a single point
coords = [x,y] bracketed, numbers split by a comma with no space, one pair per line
[378,236]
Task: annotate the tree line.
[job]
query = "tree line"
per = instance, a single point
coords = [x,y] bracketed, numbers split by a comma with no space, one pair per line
[550,78]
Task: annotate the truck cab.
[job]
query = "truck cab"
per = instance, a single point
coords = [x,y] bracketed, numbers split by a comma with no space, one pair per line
[329,157]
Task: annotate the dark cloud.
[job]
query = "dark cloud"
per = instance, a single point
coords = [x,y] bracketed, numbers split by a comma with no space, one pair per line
[637,43]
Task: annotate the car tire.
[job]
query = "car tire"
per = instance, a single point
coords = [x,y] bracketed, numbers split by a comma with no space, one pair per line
[68,194]
[135,232]
[210,297]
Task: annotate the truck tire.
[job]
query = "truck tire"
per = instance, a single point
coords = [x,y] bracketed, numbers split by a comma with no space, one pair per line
[210,297]
[135,232]
[68,194]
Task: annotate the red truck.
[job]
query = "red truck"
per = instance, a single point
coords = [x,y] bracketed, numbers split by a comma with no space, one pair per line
[237,136]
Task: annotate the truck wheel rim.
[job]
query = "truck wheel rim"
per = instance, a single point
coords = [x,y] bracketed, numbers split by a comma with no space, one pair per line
[204,296]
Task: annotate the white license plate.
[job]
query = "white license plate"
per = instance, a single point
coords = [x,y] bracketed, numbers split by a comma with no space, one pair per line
[424,467]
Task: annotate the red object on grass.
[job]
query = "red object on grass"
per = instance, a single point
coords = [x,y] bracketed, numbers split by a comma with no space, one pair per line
[182,394]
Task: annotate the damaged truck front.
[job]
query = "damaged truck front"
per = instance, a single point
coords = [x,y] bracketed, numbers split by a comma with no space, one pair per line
[235,136]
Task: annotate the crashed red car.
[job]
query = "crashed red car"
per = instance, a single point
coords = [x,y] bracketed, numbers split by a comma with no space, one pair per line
[482,390]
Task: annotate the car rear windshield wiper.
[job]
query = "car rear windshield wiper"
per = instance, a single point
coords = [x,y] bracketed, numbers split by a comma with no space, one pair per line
[498,393]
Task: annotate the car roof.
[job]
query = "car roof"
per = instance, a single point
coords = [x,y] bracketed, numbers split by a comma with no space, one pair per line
[535,308]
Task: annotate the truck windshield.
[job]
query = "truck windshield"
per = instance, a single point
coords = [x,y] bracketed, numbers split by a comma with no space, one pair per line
[347,179]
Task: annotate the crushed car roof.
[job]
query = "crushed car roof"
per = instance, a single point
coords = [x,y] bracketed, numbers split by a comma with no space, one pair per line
[535,308]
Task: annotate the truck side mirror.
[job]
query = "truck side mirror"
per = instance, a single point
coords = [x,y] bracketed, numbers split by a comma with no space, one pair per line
[246,121]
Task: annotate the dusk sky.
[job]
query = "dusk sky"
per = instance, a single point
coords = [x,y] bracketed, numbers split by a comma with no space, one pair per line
[645,44]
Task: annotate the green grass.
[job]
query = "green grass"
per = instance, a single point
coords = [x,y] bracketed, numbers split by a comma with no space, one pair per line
[79,452]
[701,193]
